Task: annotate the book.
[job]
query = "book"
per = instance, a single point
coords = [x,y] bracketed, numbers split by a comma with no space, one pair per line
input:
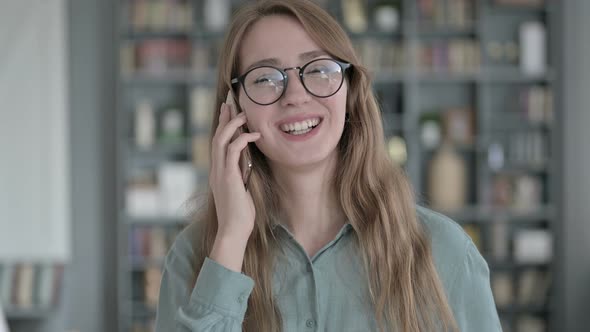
[529,323]
[200,148]
[503,289]
[158,246]
[8,273]
[201,108]
[44,285]
[459,126]
[24,291]
[152,280]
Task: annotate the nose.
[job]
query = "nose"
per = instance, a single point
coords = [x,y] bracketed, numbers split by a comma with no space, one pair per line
[295,95]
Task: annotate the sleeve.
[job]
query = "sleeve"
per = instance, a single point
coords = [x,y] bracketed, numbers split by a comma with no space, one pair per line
[471,296]
[217,303]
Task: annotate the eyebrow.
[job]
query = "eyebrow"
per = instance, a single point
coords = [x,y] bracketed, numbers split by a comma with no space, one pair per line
[275,61]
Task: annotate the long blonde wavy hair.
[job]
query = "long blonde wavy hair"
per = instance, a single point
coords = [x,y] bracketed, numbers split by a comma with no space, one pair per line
[375,195]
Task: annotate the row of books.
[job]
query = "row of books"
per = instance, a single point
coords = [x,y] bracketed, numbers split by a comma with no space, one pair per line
[531,288]
[156,123]
[160,123]
[143,326]
[153,243]
[446,13]
[517,3]
[381,56]
[526,245]
[526,149]
[166,56]
[30,285]
[522,192]
[528,323]
[448,183]
[146,287]
[152,125]
[536,104]
[161,57]
[158,15]
[155,56]
[456,125]
[453,56]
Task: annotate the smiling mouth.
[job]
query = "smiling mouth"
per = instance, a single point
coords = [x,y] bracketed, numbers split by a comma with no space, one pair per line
[302,127]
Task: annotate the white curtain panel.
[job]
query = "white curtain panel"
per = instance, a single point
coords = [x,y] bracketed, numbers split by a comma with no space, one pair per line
[34,142]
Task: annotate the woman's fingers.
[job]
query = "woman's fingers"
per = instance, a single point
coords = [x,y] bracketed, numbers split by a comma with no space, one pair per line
[238,145]
[222,138]
[224,117]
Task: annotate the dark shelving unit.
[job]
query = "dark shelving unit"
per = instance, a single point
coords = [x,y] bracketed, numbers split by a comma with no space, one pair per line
[406,92]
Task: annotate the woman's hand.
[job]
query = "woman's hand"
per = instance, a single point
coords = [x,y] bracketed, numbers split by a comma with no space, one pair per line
[233,204]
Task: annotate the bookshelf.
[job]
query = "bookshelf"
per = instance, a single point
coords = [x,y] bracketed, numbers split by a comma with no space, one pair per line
[447,70]
[30,290]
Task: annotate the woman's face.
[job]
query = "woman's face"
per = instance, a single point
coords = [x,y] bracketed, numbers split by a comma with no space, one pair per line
[281,41]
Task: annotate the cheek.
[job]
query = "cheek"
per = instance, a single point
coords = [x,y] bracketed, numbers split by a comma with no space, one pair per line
[338,104]
[255,118]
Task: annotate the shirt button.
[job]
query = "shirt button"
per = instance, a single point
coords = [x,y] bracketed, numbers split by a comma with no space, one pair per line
[310,323]
[241,298]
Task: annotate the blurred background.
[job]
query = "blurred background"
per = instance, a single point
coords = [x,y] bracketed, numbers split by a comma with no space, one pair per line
[105,113]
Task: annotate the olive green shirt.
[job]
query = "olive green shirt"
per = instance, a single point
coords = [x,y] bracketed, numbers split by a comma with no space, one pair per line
[327,292]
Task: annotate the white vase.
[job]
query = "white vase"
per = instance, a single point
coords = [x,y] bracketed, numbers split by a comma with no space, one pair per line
[533,48]
[216,14]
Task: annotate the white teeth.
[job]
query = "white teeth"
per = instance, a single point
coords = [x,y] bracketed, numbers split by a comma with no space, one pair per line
[300,132]
[300,126]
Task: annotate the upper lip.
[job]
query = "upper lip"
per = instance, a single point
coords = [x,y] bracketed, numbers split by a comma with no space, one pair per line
[298,118]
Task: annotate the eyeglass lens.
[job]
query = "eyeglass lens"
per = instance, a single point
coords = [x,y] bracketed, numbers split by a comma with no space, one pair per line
[265,85]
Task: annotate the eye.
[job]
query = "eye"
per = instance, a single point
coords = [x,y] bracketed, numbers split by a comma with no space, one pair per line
[264,76]
[322,68]
[264,80]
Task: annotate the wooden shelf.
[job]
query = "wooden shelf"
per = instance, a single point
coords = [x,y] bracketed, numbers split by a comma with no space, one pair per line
[143,263]
[482,214]
[419,88]
[28,314]
[428,32]
[179,77]
[165,221]
[147,35]
[523,309]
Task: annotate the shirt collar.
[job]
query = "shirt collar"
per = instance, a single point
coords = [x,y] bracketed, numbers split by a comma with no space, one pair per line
[346,228]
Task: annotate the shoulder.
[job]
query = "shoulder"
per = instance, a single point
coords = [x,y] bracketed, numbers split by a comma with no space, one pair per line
[181,254]
[442,230]
[463,272]
[449,242]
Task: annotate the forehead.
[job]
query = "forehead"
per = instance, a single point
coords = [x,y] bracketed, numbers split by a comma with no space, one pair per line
[279,36]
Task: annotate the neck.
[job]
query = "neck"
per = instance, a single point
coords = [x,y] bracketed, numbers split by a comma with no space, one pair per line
[311,209]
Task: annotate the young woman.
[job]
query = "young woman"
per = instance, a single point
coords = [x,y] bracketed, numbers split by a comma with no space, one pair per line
[326,236]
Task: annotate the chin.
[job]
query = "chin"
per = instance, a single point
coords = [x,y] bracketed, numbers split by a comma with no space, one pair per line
[308,160]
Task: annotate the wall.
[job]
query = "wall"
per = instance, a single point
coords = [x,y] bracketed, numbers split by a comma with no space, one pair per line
[89,300]
[575,260]
[89,297]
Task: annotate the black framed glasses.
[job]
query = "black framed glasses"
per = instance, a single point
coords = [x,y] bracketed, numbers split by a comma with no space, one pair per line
[264,85]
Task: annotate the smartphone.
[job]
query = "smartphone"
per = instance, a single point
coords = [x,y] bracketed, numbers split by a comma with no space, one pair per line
[245,157]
